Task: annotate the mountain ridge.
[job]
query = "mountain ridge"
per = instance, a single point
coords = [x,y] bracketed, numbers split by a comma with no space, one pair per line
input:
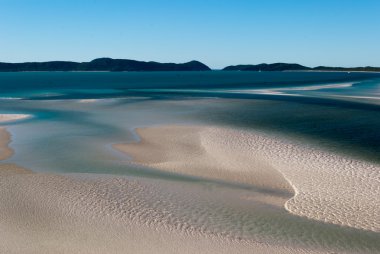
[119,65]
[103,64]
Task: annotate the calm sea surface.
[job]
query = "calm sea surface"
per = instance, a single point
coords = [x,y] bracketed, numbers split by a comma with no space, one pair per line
[70,132]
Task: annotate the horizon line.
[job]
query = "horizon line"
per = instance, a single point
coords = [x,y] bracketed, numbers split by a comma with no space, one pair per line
[194,60]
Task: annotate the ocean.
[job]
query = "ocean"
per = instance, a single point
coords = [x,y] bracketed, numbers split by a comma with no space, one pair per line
[337,111]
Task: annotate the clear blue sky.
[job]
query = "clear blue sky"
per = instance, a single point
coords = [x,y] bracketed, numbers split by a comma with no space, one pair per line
[216,32]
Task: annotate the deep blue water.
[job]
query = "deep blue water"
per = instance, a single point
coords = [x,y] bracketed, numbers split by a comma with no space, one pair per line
[82,83]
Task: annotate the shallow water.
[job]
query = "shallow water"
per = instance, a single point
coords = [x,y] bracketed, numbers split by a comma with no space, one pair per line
[68,135]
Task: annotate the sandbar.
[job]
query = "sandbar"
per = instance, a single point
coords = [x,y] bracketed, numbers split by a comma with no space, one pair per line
[4,118]
[328,187]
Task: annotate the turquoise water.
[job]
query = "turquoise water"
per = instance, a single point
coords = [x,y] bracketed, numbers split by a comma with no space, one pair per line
[337,111]
[67,135]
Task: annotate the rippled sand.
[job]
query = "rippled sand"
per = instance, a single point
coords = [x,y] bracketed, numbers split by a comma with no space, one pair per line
[188,150]
[46,213]
[329,187]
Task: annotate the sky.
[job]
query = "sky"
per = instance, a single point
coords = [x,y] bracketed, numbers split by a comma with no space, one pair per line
[215,32]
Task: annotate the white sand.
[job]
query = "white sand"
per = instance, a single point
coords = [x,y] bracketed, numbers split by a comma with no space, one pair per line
[280,91]
[13,117]
[329,187]
[185,150]
[46,213]
[358,97]
[56,214]
[318,87]
[89,100]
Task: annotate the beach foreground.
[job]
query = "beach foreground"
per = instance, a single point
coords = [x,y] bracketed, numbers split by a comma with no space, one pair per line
[84,213]
[326,185]
[46,213]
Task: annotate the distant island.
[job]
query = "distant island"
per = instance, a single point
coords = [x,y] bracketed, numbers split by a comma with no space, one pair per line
[109,64]
[295,67]
[103,64]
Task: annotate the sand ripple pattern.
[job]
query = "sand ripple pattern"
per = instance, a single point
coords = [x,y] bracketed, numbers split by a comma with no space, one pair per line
[46,213]
[60,208]
[329,187]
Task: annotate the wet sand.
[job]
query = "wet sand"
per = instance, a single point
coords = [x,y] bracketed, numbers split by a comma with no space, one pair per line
[5,150]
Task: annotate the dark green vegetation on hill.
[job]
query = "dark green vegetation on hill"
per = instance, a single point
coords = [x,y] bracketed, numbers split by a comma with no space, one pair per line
[103,64]
[109,64]
[267,67]
[295,67]
[367,68]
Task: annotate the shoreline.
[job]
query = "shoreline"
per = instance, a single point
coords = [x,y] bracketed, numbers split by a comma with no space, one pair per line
[5,138]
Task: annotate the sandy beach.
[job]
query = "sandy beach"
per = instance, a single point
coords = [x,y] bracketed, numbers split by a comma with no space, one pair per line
[83,213]
[45,213]
[185,150]
[328,187]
